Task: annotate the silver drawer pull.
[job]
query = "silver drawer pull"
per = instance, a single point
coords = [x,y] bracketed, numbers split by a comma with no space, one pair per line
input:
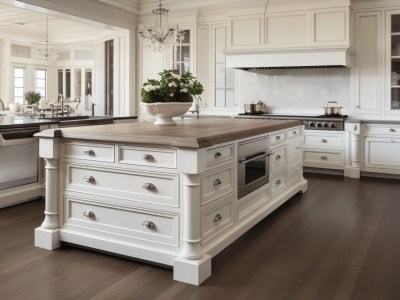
[324,141]
[88,213]
[392,130]
[217,218]
[89,178]
[89,152]
[294,132]
[278,182]
[148,157]
[217,154]
[217,182]
[148,224]
[277,138]
[278,157]
[149,186]
[324,158]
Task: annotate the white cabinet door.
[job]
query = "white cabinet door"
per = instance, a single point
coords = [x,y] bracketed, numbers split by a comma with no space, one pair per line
[369,63]
[331,26]
[381,154]
[246,31]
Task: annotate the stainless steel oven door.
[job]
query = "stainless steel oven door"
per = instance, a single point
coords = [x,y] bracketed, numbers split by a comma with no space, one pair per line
[253,171]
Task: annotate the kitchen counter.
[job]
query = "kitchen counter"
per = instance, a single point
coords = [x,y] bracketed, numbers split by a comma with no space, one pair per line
[194,133]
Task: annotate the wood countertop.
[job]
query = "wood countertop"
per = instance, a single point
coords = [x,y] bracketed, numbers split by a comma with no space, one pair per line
[193,133]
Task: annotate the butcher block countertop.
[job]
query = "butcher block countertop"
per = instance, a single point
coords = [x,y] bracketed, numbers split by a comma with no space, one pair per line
[197,133]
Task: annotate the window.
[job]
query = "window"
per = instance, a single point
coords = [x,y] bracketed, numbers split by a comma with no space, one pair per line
[224,78]
[181,59]
[19,84]
[40,82]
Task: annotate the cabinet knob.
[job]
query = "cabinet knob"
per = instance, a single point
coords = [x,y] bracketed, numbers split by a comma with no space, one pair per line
[89,178]
[217,182]
[89,152]
[277,138]
[324,141]
[278,182]
[392,130]
[324,158]
[149,186]
[278,157]
[148,224]
[148,157]
[217,154]
[355,127]
[88,213]
[294,132]
[217,218]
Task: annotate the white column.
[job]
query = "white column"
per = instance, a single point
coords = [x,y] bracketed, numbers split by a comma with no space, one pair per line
[353,171]
[51,210]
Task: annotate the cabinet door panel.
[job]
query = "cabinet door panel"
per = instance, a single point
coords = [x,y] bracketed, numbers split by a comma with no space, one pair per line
[382,153]
[330,26]
[246,31]
[287,29]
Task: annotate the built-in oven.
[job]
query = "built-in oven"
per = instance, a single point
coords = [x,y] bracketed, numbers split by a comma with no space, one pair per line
[19,155]
[253,165]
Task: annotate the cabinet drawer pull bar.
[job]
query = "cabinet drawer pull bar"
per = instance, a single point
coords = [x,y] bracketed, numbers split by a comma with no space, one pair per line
[149,186]
[148,224]
[392,130]
[217,218]
[324,141]
[277,138]
[278,182]
[88,213]
[294,132]
[217,154]
[278,157]
[89,178]
[148,157]
[217,182]
[89,152]
[324,157]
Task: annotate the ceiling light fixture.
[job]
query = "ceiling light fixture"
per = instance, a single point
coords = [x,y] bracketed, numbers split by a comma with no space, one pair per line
[45,50]
[160,35]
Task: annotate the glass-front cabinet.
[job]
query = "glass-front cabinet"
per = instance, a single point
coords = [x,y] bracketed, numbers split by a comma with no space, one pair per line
[393,53]
[182,53]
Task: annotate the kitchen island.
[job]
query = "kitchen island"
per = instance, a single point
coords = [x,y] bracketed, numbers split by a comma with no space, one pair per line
[164,194]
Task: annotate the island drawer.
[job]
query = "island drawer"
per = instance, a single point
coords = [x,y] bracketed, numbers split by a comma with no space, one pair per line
[220,154]
[295,150]
[324,158]
[88,151]
[135,186]
[217,183]
[216,219]
[277,138]
[278,158]
[125,224]
[162,158]
[293,132]
[278,183]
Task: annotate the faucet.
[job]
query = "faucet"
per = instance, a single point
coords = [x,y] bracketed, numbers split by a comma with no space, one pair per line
[2,105]
[196,106]
[60,97]
[93,104]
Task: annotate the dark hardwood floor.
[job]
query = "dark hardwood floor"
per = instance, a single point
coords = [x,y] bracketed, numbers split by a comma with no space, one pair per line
[340,240]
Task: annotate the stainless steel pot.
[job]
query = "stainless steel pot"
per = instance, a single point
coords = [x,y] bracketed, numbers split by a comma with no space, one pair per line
[254,108]
[332,109]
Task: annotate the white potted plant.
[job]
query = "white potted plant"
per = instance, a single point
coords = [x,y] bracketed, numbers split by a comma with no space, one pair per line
[170,96]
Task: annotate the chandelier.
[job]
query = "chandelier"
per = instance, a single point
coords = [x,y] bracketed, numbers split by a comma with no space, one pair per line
[160,35]
[45,50]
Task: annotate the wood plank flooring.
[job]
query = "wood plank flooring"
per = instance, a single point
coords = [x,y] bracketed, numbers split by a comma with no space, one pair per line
[340,240]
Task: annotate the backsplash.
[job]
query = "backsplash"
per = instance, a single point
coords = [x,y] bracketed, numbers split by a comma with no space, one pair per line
[295,91]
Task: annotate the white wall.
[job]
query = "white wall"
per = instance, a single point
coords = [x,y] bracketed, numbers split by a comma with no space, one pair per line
[302,91]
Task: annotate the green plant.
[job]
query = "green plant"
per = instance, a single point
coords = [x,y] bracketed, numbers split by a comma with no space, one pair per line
[32,97]
[171,87]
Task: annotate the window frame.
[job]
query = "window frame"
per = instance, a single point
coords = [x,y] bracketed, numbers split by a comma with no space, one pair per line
[45,81]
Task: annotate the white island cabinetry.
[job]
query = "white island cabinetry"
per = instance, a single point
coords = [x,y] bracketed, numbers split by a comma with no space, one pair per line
[169,204]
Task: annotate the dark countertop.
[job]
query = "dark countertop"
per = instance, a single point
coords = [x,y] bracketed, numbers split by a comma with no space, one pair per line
[383,122]
[193,133]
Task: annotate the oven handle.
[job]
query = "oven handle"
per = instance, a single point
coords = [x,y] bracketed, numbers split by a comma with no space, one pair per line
[245,161]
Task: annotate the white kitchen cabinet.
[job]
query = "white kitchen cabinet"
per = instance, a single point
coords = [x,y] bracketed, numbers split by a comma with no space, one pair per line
[393,61]
[369,58]
[381,148]
[303,28]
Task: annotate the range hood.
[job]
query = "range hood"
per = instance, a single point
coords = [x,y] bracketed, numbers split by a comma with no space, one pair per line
[289,59]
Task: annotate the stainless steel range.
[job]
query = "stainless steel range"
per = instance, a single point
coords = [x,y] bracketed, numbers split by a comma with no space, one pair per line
[311,122]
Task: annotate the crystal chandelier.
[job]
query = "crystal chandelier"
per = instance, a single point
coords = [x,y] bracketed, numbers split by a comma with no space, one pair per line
[45,50]
[160,35]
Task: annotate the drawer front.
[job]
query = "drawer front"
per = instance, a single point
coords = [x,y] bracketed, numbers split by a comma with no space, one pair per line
[382,154]
[328,141]
[220,154]
[134,187]
[294,174]
[324,159]
[277,138]
[125,224]
[216,219]
[278,158]
[293,132]
[295,150]
[88,151]
[382,129]
[278,183]
[162,158]
[216,183]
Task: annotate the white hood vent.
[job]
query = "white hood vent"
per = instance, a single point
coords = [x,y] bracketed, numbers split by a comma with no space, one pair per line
[310,58]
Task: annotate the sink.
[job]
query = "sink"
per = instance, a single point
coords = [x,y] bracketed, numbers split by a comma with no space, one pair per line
[64,118]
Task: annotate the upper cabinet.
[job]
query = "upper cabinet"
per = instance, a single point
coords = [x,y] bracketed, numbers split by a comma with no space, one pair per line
[393,60]
[308,28]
